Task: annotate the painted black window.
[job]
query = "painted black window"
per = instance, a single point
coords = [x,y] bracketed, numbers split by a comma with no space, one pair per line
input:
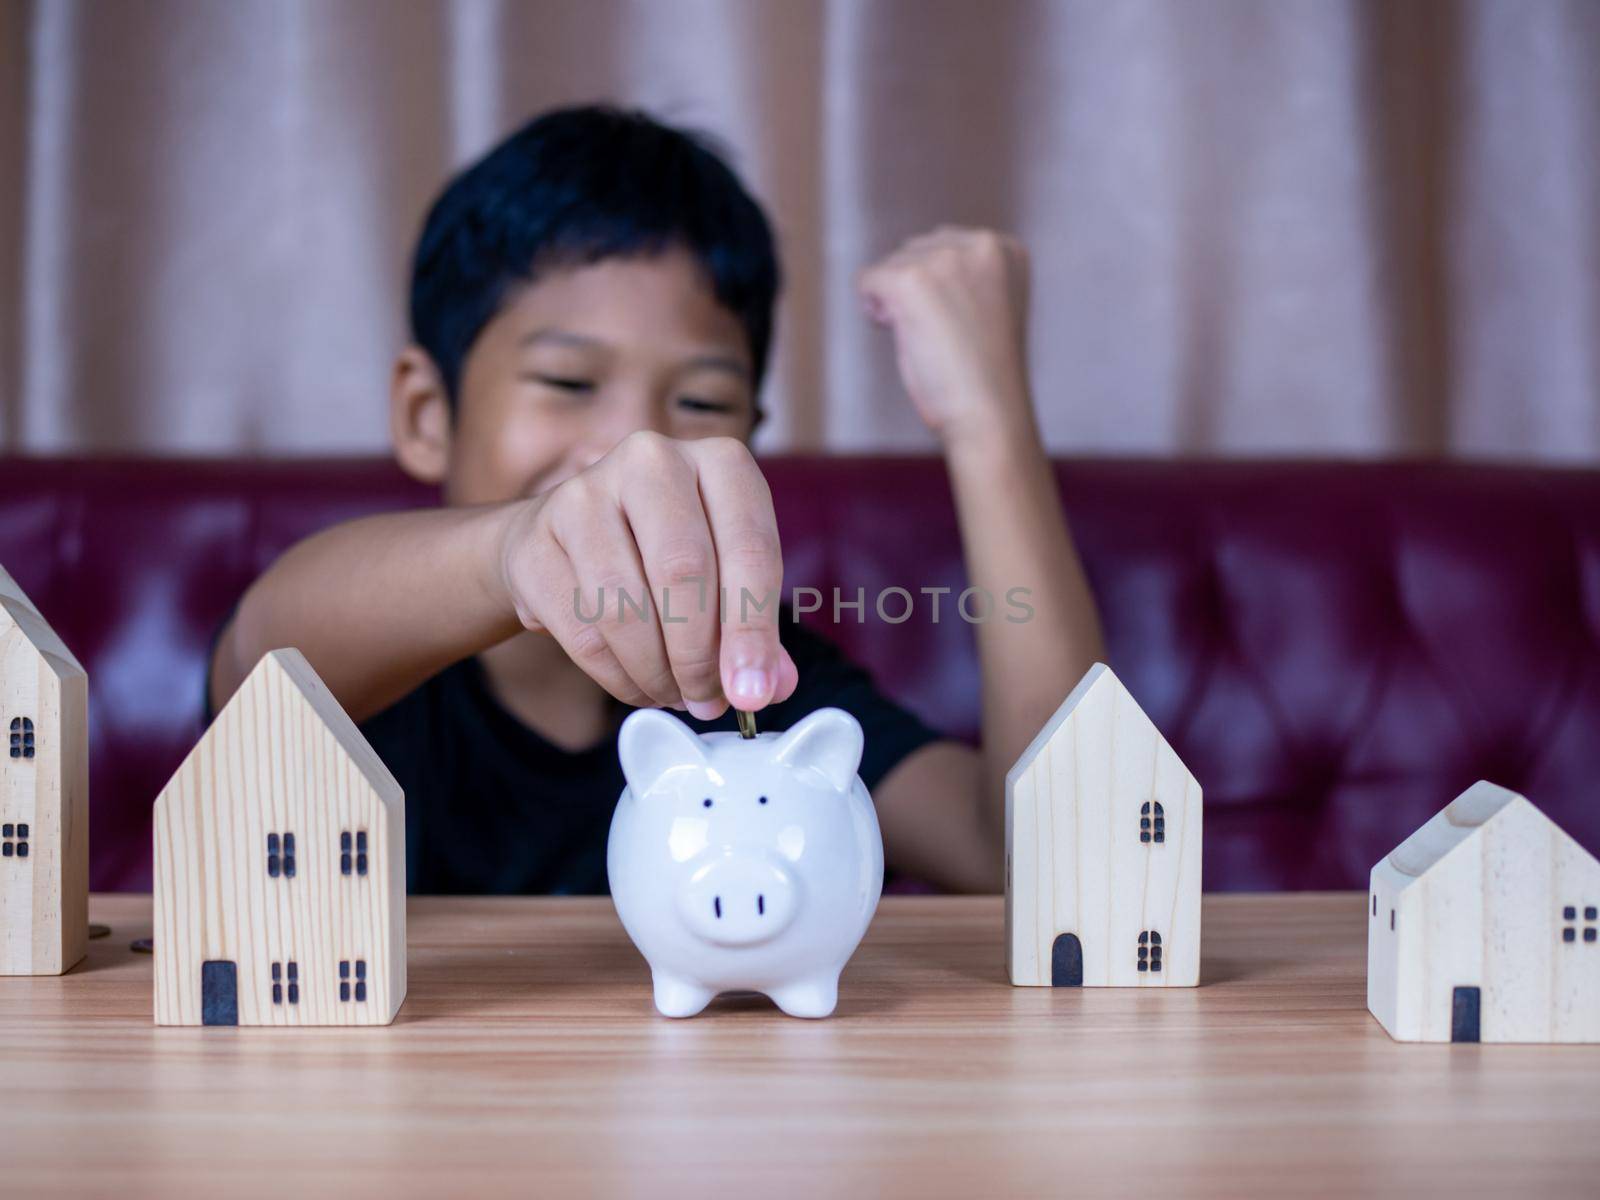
[1569,918]
[1150,951]
[281,971]
[21,737]
[360,991]
[280,855]
[1152,822]
[14,840]
[359,860]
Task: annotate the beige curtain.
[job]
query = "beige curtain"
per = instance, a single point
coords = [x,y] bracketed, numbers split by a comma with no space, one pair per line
[1258,226]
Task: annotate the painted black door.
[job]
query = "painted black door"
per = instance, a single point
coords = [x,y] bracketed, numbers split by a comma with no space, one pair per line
[1464,1015]
[219,993]
[1066,961]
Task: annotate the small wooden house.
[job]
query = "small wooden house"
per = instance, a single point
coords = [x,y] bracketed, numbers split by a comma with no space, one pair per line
[1103,827]
[1484,926]
[44,793]
[280,866]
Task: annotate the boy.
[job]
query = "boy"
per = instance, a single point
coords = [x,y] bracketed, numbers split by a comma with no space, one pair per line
[591,306]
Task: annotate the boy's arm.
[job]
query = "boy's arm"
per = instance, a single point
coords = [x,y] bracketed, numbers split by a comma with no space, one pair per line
[380,604]
[376,605]
[957,302]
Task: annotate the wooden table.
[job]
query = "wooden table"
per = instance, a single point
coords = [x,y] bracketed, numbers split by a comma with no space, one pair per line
[527,1060]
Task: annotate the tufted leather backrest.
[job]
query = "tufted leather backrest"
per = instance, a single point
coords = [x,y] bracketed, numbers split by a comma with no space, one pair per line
[1335,649]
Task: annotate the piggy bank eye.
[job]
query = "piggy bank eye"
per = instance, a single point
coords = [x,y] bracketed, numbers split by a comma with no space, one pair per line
[706,802]
[762,800]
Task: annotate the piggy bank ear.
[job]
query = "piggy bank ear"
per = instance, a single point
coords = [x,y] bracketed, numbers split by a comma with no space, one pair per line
[829,740]
[653,742]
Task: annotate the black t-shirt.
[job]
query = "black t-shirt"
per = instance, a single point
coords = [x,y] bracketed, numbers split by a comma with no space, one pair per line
[494,808]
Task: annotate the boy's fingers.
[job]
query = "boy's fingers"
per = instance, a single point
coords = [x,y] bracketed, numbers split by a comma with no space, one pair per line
[874,286]
[576,632]
[663,509]
[888,290]
[868,284]
[615,598]
[788,678]
[744,529]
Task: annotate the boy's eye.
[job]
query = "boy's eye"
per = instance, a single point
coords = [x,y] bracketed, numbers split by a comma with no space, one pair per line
[695,404]
[562,383]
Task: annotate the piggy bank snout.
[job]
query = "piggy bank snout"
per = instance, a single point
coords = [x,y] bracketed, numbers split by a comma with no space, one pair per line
[739,899]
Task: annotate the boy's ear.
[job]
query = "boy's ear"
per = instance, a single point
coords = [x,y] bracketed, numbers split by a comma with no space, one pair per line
[419,416]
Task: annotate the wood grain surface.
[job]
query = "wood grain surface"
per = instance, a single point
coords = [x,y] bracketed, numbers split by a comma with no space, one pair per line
[527,1060]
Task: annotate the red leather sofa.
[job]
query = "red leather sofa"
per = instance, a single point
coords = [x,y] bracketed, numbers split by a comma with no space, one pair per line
[1336,650]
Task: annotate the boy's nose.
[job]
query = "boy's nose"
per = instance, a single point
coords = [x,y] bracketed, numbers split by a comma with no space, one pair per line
[606,436]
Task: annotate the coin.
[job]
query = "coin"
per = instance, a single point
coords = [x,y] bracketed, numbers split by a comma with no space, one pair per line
[99,931]
[142,945]
[747,723]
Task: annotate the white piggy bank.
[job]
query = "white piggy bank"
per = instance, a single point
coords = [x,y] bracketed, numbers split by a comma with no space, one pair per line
[744,864]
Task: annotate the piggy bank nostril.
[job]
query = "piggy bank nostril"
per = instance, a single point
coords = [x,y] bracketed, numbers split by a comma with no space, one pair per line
[761,905]
[716,903]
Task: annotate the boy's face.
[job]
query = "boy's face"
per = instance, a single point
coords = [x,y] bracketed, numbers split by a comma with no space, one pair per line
[578,360]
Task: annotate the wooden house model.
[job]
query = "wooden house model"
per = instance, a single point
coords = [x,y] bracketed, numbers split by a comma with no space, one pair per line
[44,793]
[280,866]
[1103,826]
[1484,926]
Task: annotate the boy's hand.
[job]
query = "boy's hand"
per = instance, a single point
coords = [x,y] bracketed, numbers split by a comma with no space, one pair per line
[690,517]
[957,301]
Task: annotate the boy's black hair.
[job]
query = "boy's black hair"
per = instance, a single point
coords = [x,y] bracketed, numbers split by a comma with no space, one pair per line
[572,187]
